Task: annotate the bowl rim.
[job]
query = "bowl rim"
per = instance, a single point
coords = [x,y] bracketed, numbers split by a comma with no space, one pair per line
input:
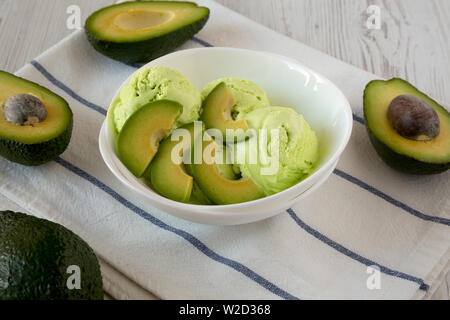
[154,196]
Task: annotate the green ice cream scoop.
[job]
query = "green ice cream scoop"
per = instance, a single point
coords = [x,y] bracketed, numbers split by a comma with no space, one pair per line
[291,151]
[248,95]
[152,84]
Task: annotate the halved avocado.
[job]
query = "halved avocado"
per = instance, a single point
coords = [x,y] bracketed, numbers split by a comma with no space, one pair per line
[141,31]
[35,123]
[168,178]
[402,153]
[138,142]
[219,189]
[217,112]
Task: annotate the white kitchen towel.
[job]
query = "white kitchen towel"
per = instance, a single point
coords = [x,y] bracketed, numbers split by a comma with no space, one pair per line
[365,215]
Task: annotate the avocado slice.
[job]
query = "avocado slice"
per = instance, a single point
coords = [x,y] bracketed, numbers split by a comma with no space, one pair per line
[413,156]
[138,142]
[35,256]
[175,181]
[167,177]
[217,112]
[198,197]
[141,31]
[35,123]
[219,189]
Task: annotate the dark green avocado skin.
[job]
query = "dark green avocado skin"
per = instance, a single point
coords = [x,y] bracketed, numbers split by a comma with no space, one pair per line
[35,154]
[34,257]
[146,50]
[403,163]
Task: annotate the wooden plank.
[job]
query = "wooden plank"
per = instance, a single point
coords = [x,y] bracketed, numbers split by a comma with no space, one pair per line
[413,42]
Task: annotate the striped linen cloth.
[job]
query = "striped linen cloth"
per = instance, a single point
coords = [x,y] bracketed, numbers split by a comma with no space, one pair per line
[365,215]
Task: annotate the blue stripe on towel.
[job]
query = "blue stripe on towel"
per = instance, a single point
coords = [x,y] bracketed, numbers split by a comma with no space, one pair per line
[359,119]
[353,255]
[391,200]
[202,42]
[239,267]
[342,174]
[133,65]
[66,89]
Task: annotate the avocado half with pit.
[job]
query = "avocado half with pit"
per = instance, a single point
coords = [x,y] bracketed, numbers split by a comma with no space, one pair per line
[141,31]
[35,123]
[409,130]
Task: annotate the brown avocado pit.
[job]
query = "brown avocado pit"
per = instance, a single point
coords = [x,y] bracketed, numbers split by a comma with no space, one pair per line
[413,118]
[24,110]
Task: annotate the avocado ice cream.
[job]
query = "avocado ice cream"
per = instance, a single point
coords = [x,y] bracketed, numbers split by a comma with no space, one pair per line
[298,149]
[248,95]
[152,84]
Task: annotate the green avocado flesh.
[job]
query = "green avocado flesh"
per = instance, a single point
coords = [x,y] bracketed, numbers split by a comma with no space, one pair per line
[198,197]
[43,141]
[219,189]
[170,179]
[145,30]
[138,142]
[35,256]
[410,156]
[217,111]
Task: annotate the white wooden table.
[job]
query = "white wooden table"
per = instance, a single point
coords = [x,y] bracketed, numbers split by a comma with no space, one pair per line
[413,42]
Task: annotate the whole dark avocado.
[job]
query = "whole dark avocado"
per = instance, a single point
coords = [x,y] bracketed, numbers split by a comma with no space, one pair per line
[37,258]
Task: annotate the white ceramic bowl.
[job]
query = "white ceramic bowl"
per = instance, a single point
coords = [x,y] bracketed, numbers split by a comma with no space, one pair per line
[287,83]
